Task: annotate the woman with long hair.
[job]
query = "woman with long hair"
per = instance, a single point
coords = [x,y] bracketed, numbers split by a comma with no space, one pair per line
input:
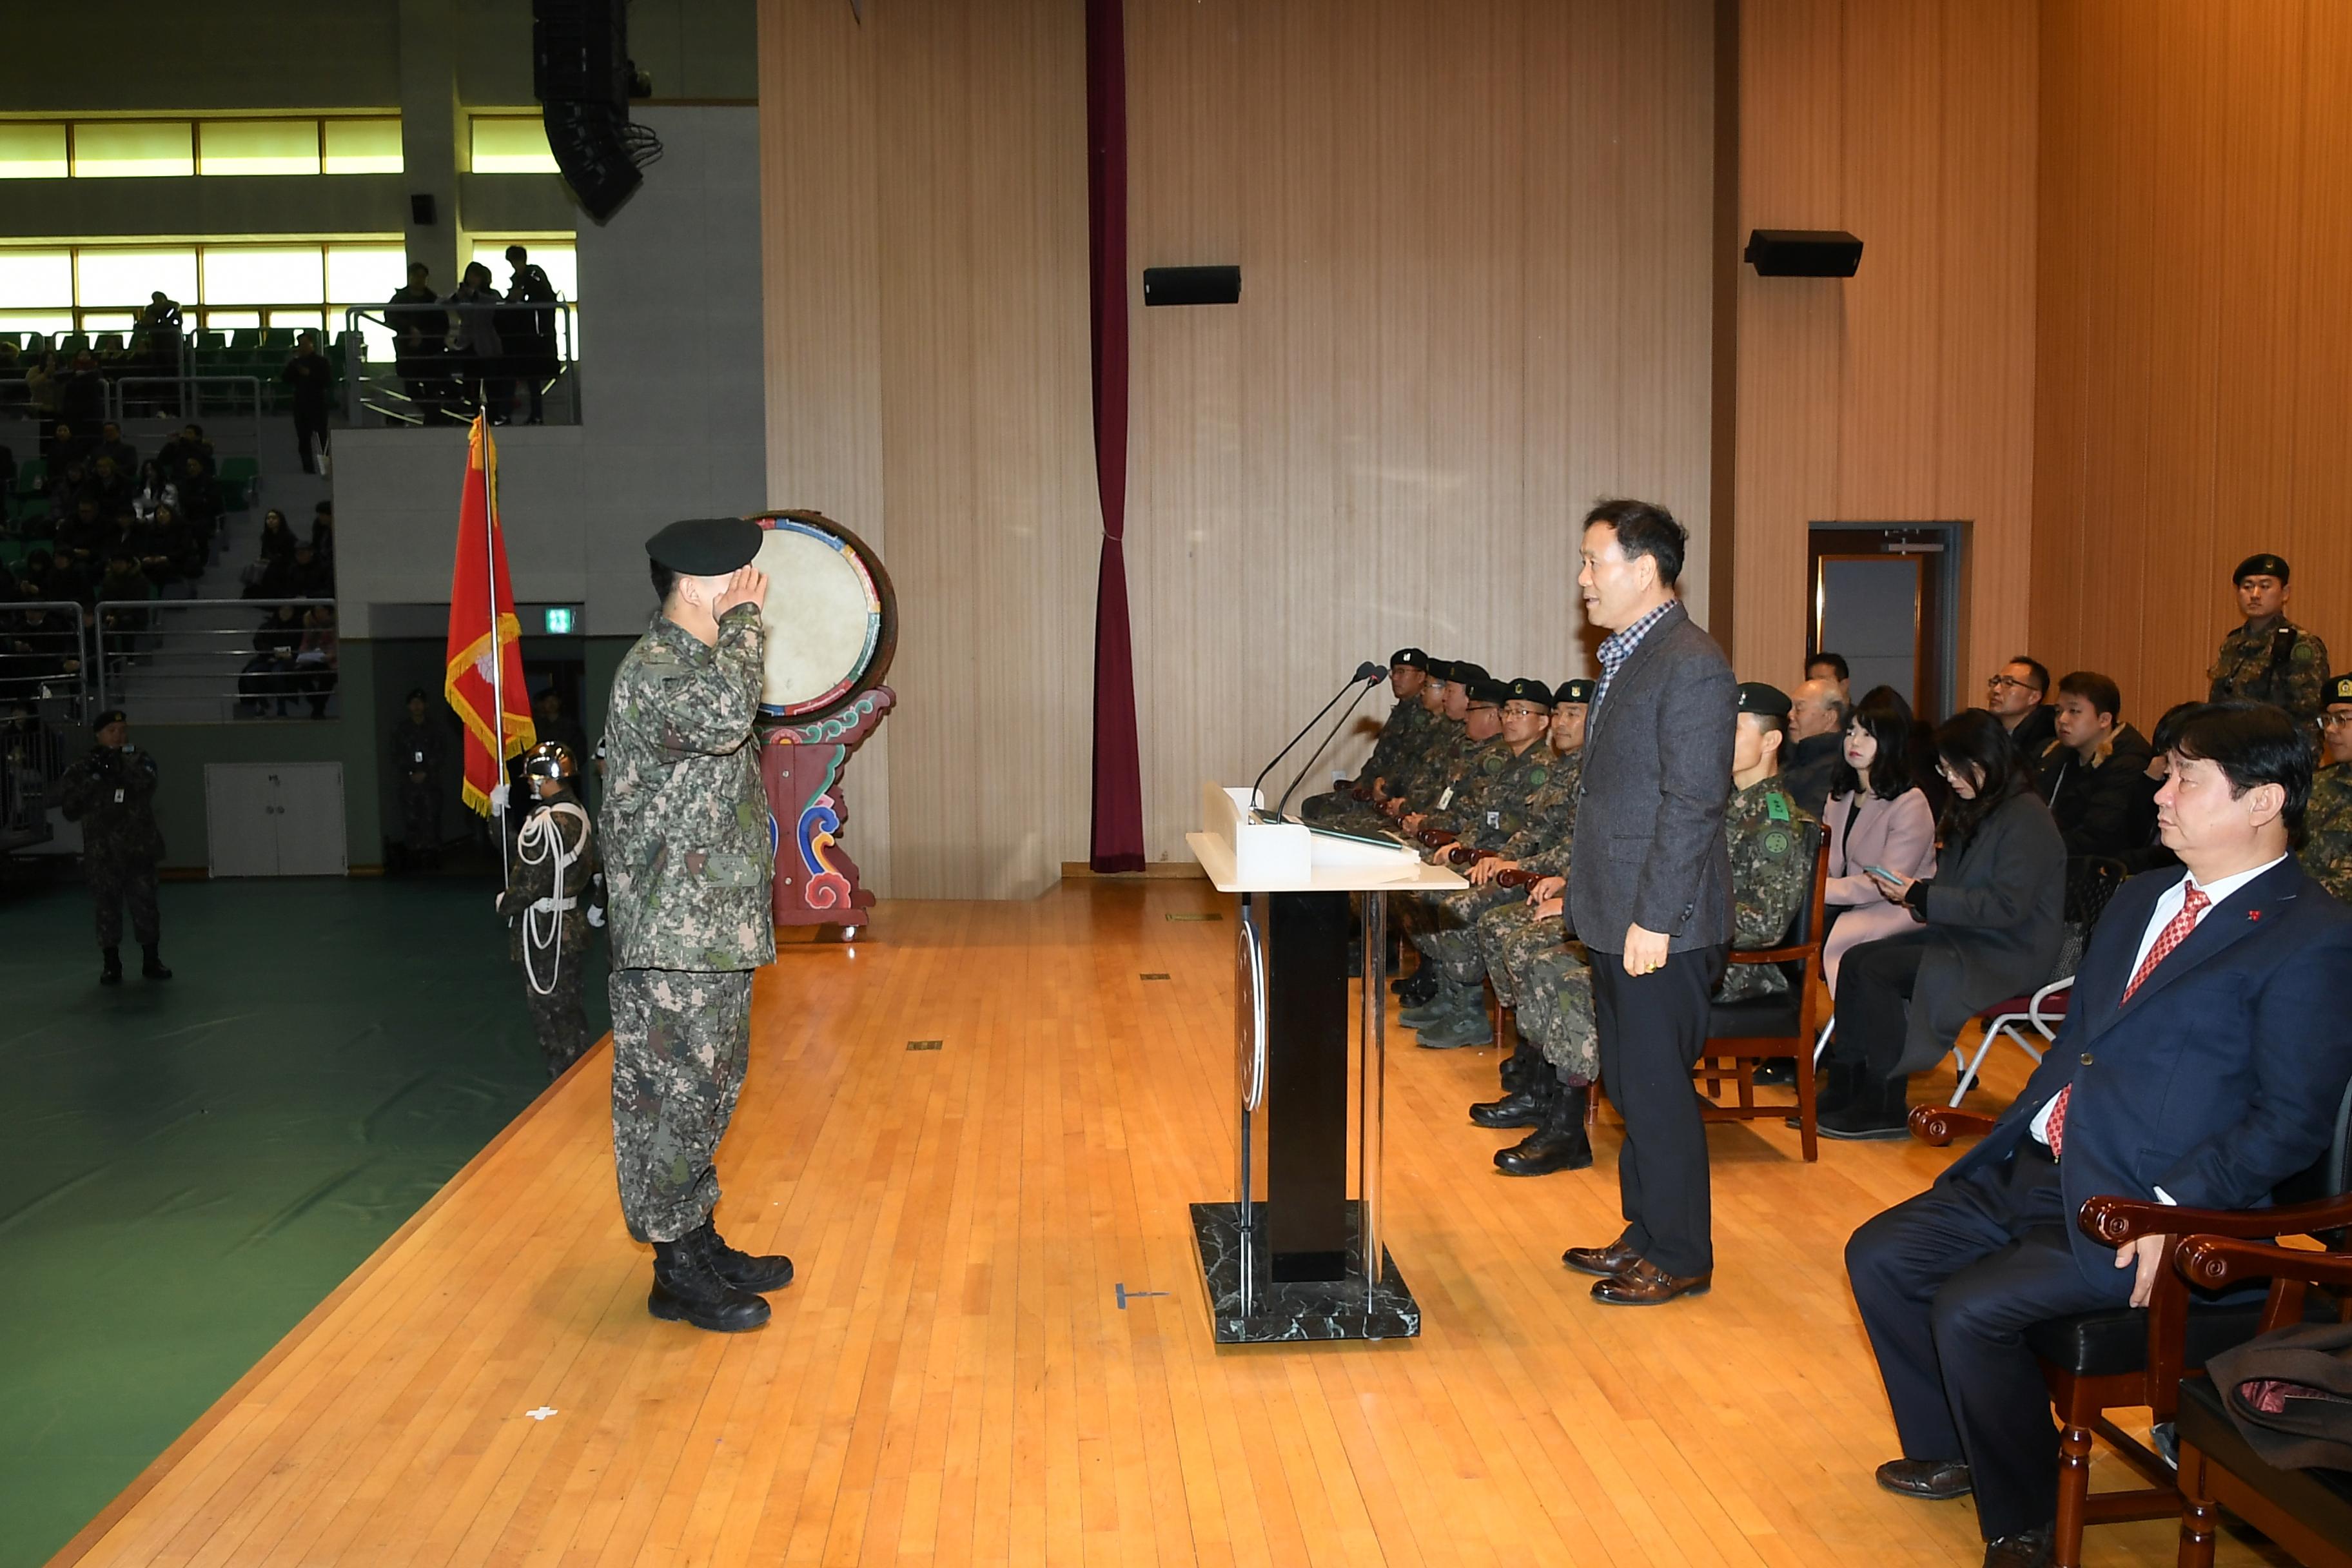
[1987,926]
[1877,815]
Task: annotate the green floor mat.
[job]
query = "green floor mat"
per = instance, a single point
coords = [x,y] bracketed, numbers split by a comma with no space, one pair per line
[191,1165]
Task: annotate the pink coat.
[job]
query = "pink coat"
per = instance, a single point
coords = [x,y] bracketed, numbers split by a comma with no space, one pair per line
[1864,830]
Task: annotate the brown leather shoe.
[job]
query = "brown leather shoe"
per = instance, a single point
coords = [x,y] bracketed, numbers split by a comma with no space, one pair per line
[1606,1261]
[1937,1480]
[1645,1284]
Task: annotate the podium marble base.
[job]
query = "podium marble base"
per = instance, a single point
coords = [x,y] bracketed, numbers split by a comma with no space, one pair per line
[1302,1309]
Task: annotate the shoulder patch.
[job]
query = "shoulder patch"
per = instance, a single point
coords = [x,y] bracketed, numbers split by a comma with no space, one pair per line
[1776,843]
[1776,806]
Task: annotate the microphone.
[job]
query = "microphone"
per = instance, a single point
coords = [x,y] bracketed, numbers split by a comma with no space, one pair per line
[1365,682]
[1365,672]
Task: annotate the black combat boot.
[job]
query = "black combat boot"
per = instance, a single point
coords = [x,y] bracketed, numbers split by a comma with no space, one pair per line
[759,1273]
[112,973]
[1559,1145]
[688,1289]
[150,967]
[1520,1108]
[1525,1065]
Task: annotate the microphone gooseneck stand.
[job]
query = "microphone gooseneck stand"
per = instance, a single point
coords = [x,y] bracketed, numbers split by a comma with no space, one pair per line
[1366,671]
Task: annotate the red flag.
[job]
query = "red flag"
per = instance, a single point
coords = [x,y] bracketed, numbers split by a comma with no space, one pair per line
[484,659]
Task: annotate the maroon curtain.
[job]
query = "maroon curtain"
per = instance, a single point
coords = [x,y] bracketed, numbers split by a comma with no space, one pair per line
[1116,841]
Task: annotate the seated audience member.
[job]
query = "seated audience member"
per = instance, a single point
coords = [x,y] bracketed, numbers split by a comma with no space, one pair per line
[68,483]
[153,490]
[2327,842]
[2015,695]
[1877,817]
[111,444]
[2151,855]
[270,675]
[322,528]
[2094,774]
[1817,720]
[200,499]
[2201,1064]
[1831,668]
[82,534]
[1988,926]
[276,537]
[189,443]
[166,549]
[308,577]
[315,658]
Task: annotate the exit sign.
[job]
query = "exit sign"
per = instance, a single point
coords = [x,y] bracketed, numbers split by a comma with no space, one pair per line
[559,620]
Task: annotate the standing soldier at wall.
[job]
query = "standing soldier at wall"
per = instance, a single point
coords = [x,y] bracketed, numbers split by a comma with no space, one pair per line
[2326,851]
[420,757]
[688,863]
[2269,658]
[111,791]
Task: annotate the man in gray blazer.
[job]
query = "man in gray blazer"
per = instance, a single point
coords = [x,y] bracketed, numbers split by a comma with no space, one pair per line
[1649,891]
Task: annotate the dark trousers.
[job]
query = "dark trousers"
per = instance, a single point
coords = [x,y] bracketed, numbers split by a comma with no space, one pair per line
[310,426]
[1874,1002]
[1948,1283]
[1650,1029]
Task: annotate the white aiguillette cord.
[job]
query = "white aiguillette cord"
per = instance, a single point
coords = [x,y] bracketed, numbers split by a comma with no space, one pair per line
[538,843]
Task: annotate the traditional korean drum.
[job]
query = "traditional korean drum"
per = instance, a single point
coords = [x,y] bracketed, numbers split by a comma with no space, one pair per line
[830,617]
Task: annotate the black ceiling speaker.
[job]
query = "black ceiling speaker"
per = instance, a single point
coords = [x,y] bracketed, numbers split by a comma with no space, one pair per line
[581,69]
[1192,284]
[1803,253]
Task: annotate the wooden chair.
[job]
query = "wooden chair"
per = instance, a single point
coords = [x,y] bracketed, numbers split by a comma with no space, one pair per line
[2309,1512]
[2129,1357]
[1742,1033]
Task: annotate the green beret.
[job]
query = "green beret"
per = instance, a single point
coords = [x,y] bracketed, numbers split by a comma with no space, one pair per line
[2260,567]
[1526,690]
[706,546]
[1411,657]
[1578,691]
[1485,688]
[1756,697]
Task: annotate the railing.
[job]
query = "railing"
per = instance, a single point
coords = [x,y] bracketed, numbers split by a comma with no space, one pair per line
[216,660]
[187,396]
[44,683]
[442,384]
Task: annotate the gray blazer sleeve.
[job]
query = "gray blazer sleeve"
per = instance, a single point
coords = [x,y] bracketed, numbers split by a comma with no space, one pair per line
[1694,764]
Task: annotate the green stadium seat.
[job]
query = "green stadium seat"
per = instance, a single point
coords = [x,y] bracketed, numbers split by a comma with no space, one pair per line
[73,342]
[246,338]
[279,340]
[110,342]
[32,475]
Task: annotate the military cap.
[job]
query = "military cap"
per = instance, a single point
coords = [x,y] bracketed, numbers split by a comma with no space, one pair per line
[417,694]
[1441,669]
[1412,657]
[2340,689]
[1485,688]
[706,546]
[1757,696]
[1578,691]
[1465,670]
[1526,690]
[109,716]
[2260,567]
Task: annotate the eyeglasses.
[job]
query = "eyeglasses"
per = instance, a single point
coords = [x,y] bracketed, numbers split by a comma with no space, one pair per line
[1997,682]
[1524,711]
[2334,721]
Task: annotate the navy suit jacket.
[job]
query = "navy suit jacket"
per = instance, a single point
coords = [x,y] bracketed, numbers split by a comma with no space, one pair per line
[2221,1077]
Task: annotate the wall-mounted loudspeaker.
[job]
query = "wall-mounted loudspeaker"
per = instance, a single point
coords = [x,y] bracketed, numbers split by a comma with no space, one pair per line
[581,69]
[1803,253]
[1192,284]
[421,210]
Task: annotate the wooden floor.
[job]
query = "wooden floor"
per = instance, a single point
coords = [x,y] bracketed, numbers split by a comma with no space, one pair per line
[953,1378]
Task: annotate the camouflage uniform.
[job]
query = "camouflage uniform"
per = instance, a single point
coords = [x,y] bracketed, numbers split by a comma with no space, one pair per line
[1403,735]
[1508,935]
[2281,665]
[688,858]
[112,793]
[419,749]
[2326,852]
[1504,813]
[1770,876]
[558,1017]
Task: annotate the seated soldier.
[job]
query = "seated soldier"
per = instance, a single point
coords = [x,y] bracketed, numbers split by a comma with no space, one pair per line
[1771,875]
[1497,808]
[1400,736]
[1440,761]
[2326,853]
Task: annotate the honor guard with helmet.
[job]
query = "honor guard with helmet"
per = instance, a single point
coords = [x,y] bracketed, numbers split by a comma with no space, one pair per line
[2326,851]
[689,861]
[111,791]
[2269,658]
[554,895]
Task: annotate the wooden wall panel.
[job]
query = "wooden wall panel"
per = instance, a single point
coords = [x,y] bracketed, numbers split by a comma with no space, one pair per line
[2194,378]
[1904,392]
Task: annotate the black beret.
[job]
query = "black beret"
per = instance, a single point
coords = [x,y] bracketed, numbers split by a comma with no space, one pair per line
[1441,669]
[1463,671]
[1526,690]
[1578,690]
[2260,567]
[706,546]
[1412,657]
[1756,697]
[417,694]
[108,716]
[2340,688]
[1485,688]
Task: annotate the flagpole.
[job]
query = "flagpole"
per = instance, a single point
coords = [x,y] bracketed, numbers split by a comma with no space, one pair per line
[498,652]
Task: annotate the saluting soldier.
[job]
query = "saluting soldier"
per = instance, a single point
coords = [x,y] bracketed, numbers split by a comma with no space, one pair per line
[2270,659]
[554,897]
[1400,739]
[689,863]
[2326,852]
[111,791]
[1770,876]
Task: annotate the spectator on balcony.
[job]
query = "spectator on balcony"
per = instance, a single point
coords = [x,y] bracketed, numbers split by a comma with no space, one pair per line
[475,342]
[160,323]
[110,486]
[200,498]
[68,484]
[312,380]
[269,675]
[82,535]
[45,653]
[420,326]
[123,584]
[531,346]
[189,443]
[277,536]
[44,387]
[82,400]
[315,658]
[43,576]
[308,574]
[167,550]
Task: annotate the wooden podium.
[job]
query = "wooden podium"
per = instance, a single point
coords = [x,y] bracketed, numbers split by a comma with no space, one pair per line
[1288,1258]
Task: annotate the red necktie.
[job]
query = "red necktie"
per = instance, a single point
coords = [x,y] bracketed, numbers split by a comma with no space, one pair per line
[2175,932]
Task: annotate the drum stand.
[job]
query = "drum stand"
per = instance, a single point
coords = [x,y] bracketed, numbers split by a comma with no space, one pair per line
[801,766]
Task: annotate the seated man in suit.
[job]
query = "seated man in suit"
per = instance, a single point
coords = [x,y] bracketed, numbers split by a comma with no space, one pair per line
[2201,1063]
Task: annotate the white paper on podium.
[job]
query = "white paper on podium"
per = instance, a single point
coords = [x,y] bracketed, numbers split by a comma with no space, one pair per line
[1245,856]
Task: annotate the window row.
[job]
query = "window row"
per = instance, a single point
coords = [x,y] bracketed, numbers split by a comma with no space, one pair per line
[502,143]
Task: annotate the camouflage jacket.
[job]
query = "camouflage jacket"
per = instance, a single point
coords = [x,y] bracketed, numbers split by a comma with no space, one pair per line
[2326,851]
[1402,736]
[688,849]
[2283,665]
[528,881]
[1542,846]
[111,794]
[1770,877]
[1496,808]
[1428,772]
[1474,765]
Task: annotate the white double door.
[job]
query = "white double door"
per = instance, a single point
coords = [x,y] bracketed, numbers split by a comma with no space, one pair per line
[274,820]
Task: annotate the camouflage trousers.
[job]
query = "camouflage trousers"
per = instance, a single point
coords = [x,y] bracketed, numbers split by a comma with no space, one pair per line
[1510,938]
[1450,938]
[115,883]
[1546,982]
[420,817]
[681,1041]
[559,1018]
